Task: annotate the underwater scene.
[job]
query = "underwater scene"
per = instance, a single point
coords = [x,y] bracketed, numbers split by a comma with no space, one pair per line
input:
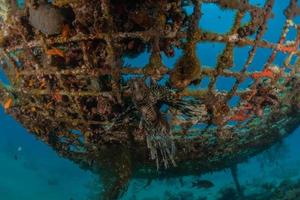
[149,100]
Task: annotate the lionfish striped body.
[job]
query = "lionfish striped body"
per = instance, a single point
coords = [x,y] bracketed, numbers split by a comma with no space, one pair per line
[147,101]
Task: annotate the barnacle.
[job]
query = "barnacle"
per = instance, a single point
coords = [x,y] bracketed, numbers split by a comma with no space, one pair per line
[69,86]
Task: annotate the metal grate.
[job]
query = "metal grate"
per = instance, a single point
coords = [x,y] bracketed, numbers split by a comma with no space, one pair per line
[69,88]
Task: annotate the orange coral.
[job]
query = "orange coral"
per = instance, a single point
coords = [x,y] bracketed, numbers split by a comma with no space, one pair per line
[56,96]
[8,103]
[65,32]
[43,83]
[240,116]
[289,48]
[266,73]
[56,52]
[286,48]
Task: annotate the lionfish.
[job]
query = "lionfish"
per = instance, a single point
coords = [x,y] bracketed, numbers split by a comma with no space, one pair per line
[147,100]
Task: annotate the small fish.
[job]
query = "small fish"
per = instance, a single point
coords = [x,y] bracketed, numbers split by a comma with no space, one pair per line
[203,184]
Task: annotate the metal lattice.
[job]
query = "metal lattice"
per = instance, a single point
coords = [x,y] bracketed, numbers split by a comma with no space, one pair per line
[68,87]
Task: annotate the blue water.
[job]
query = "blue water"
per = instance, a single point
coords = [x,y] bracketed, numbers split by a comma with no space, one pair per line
[30,170]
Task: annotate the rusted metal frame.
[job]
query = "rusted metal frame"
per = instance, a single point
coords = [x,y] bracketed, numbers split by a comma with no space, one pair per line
[60,82]
[64,88]
[269,116]
[75,103]
[145,36]
[203,93]
[196,17]
[228,53]
[218,67]
[65,119]
[229,47]
[112,57]
[272,57]
[194,37]
[215,37]
[250,138]
[275,51]
[86,59]
[155,62]
[43,137]
[52,70]
[68,93]
[115,66]
[251,53]
[287,62]
[237,24]
[264,121]
[280,42]
[207,70]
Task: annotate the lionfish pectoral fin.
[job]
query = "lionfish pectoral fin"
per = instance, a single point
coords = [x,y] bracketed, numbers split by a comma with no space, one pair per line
[162,147]
[118,120]
[187,107]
